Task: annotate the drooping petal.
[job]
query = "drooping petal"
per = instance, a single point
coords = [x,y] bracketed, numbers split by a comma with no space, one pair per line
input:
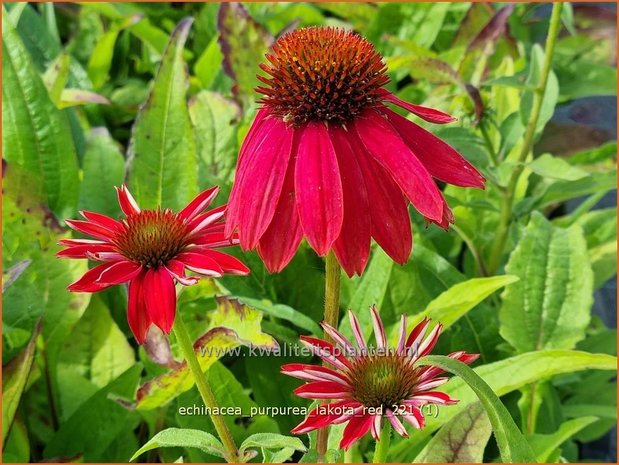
[352,247]
[427,385]
[200,264]
[440,159]
[309,372]
[88,282]
[391,227]
[202,200]
[126,201]
[318,188]
[376,427]
[259,179]
[160,295]
[431,115]
[281,240]
[415,417]
[119,272]
[137,314]
[379,331]
[262,190]
[355,429]
[446,220]
[387,147]
[322,390]
[433,397]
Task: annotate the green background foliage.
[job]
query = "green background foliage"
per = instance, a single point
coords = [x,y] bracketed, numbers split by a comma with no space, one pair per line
[161,95]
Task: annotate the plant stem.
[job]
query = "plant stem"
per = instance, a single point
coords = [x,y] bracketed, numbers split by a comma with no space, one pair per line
[184,340]
[332,317]
[382,446]
[527,144]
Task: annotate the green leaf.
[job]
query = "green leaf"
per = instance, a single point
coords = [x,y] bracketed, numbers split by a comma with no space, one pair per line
[545,444]
[97,349]
[14,377]
[208,65]
[549,307]
[35,134]
[243,42]
[182,437]
[162,152]
[213,117]
[232,325]
[271,441]
[462,439]
[111,420]
[56,77]
[503,377]
[557,168]
[283,312]
[512,444]
[104,168]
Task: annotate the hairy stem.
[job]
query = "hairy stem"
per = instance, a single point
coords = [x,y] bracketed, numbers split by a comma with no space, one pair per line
[184,340]
[382,446]
[507,202]
[332,313]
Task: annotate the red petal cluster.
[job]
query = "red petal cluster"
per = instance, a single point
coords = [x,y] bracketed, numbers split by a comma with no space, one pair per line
[151,250]
[367,384]
[339,180]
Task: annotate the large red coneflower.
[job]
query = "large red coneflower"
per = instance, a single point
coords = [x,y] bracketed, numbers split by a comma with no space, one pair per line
[368,383]
[326,159]
[150,249]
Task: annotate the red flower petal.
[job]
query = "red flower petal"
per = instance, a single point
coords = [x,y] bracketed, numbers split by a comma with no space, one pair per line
[177,270]
[355,429]
[429,114]
[440,159]
[88,282]
[206,220]
[352,247]
[318,188]
[327,351]
[321,390]
[160,296]
[322,416]
[309,372]
[434,397]
[202,200]
[119,272]
[137,314]
[200,264]
[281,239]
[126,201]
[384,143]
[396,423]
[391,227]
[83,251]
[91,229]
[249,166]
[102,220]
[228,263]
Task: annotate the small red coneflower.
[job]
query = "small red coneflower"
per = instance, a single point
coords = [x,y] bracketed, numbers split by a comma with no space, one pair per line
[326,158]
[150,249]
[371,383]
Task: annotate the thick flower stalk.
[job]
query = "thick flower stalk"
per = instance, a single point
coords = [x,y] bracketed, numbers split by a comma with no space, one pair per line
[328,160]
[371,384]
[151,250]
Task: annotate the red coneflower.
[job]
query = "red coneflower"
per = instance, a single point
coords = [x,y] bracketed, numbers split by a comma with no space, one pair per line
[325,157]
[150,249]
[371,383]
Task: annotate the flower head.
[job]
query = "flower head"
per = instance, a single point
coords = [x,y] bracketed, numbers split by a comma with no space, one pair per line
[328,160]
[367,384]
[150,249]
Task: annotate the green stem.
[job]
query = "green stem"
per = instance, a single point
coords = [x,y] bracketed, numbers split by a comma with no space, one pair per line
[527,144]
[184,340]
[382,446]
[332,317]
